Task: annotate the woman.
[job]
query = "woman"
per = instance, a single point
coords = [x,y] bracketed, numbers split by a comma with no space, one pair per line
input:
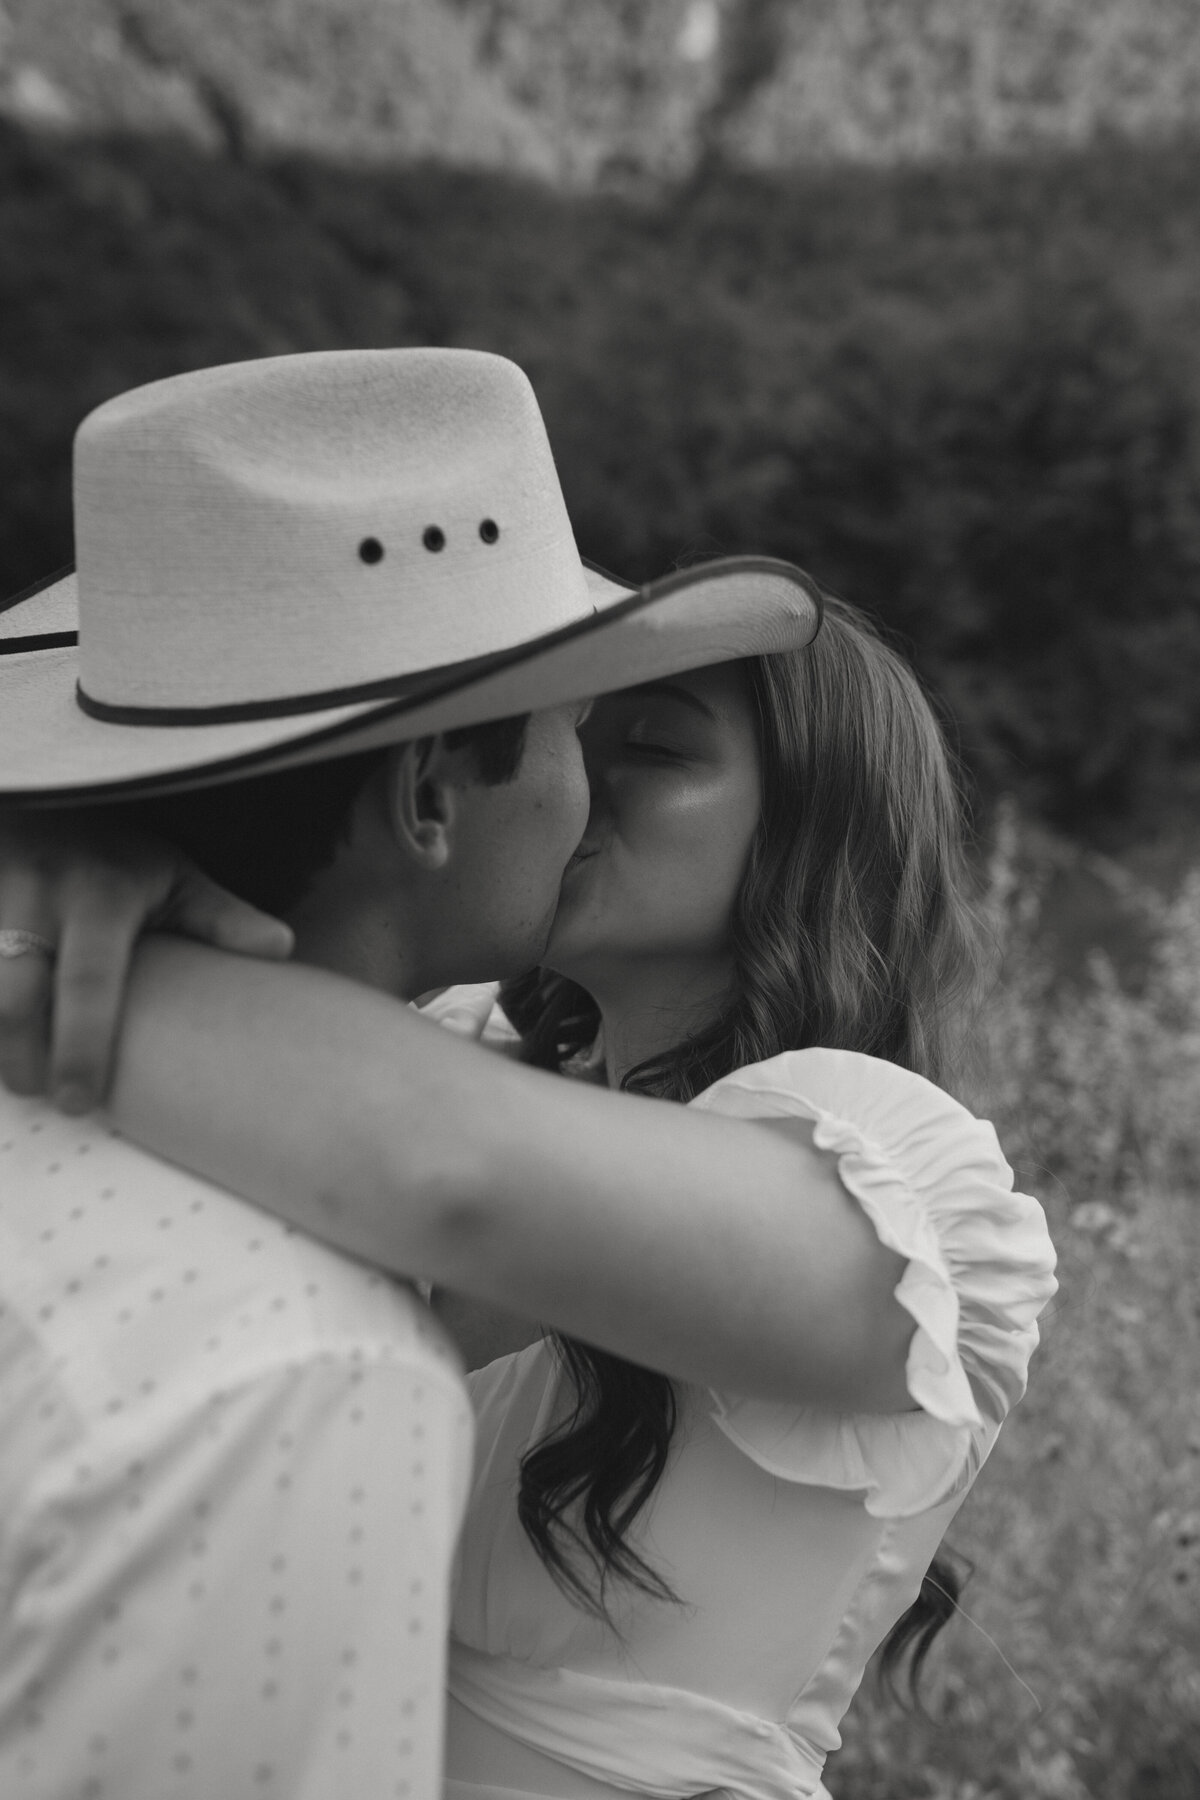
[702,1501]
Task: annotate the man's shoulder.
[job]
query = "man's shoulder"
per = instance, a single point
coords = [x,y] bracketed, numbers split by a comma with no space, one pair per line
[111,1255]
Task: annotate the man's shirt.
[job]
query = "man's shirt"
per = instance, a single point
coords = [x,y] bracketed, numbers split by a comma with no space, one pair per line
[233,1465]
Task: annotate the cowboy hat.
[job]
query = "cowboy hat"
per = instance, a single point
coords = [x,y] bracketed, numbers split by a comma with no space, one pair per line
[293,558]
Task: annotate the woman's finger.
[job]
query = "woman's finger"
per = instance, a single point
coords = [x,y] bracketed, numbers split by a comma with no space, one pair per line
[199,908]
[89,988]
[25,988]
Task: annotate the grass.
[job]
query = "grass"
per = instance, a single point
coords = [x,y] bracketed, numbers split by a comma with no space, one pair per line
[1078,1675]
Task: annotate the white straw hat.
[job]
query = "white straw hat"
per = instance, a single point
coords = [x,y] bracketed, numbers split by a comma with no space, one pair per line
[290,559]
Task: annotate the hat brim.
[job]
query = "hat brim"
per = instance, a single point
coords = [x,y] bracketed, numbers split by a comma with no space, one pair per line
[52,753]
[42,617]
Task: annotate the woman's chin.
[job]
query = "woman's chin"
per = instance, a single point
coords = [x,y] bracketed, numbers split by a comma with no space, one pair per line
[559,960]
[571,931]
[586,935]
[570,955]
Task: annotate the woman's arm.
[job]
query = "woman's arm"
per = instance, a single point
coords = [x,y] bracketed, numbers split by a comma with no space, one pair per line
[717,1251]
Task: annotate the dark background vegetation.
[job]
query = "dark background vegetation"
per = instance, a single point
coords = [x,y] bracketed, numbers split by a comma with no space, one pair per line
[966,397]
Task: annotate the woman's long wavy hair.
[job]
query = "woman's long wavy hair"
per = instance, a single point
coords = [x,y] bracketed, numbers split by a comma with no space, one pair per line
[852,930]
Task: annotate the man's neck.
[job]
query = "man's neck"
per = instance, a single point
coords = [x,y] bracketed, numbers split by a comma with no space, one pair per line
[360,947]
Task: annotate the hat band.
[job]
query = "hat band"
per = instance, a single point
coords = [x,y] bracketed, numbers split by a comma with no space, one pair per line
[429,684]
[38,640]
[42,640]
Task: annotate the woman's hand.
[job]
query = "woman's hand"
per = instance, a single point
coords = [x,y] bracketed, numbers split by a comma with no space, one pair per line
[89,886]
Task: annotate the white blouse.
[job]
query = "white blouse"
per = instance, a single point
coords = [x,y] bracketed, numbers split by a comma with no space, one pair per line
[794,1537]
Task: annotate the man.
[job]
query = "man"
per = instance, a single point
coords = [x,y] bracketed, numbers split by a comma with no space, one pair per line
[320,598]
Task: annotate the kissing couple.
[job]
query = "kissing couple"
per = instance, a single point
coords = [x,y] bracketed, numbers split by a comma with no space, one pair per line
[531,1339]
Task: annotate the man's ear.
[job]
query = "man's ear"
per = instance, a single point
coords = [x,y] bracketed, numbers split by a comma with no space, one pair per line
[421,800]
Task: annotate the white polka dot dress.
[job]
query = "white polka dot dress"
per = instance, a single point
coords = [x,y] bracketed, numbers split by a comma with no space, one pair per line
[234,1467]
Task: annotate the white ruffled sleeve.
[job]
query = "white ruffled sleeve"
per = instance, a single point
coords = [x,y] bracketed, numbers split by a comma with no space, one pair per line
[931,1179]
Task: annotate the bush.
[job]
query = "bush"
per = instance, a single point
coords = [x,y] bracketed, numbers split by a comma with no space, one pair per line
[966,398]
[1073,1674]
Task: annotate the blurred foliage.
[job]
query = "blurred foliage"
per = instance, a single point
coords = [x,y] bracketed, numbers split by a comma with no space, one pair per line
[1075,1674]
[966,398]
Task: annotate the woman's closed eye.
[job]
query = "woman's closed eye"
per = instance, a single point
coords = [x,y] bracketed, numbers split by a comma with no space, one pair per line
[654,744]
[641,727]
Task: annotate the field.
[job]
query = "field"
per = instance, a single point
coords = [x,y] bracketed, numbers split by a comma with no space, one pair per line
[1084,1528]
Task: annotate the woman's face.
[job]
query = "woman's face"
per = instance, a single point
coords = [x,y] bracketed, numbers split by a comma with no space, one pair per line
[676,793]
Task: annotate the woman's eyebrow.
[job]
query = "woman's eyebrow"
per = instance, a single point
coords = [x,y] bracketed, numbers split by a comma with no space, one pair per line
[670,690]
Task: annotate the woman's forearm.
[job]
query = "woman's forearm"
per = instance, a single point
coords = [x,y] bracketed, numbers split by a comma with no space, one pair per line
[288,1094]
[716,1250]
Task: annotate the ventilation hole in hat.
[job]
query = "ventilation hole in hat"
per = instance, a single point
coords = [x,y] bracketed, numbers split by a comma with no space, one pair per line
[489,531]
[434,538]
[371,550]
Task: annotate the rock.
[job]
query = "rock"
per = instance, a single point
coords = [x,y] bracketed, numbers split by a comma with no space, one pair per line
[604,90]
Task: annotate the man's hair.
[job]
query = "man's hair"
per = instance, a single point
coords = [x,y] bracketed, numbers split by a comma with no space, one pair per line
[268,837]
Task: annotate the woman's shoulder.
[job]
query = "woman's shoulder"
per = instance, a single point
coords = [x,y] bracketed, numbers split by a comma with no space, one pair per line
[932,1180]
[831,1072]
[854,1098]
[929,1175]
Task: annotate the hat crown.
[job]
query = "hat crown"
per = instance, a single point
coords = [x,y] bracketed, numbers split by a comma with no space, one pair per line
[272,530]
